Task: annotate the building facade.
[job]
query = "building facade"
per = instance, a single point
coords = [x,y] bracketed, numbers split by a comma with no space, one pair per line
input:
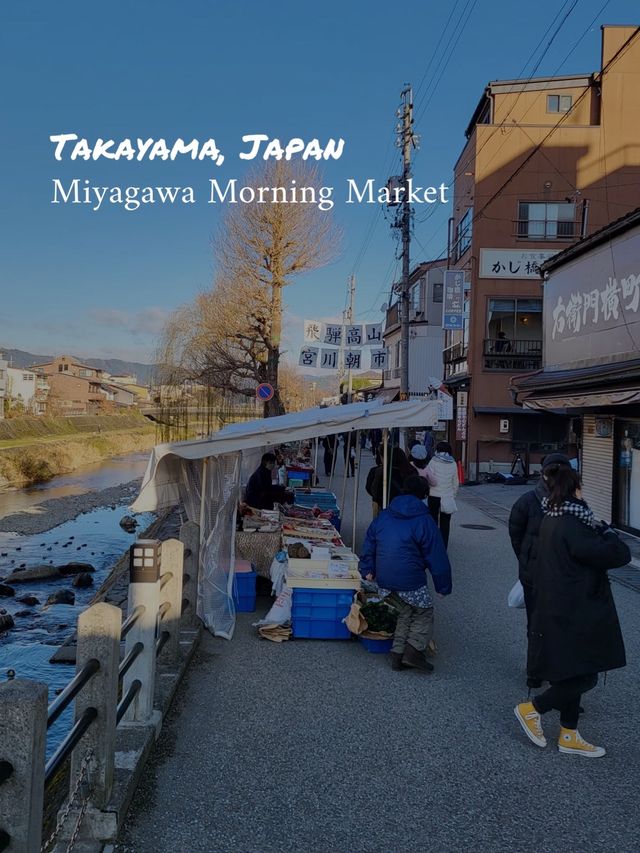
[426,336]
[21,388]
[591,363]
[547,161]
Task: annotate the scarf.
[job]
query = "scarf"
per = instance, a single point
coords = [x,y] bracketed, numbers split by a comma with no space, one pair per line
[577,508]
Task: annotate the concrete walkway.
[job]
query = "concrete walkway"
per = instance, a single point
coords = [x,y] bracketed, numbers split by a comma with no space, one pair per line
[316,747]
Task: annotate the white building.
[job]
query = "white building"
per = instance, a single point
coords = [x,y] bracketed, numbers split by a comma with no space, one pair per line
[21,387]
[426,336]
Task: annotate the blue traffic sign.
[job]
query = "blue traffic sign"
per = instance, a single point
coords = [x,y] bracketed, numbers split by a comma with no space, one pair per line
[264,391]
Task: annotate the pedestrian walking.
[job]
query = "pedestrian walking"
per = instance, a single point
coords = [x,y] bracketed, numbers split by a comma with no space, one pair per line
[429,443]
[442,496]
[418,460]
[524,526]
[328,446]
[400,545]
[574,633]
[371,477]
[375,437]
[399,470]
[349,453]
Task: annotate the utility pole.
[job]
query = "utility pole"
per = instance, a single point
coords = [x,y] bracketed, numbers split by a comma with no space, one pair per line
[405,141]
[347,320]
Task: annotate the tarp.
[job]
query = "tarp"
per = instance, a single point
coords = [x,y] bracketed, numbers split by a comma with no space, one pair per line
[161,483]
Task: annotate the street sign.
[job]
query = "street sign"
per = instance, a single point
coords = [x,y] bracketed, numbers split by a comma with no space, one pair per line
[453,308]
[264,391]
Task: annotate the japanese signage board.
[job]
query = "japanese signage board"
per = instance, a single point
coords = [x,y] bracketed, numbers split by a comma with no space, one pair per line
[445,406]
[461,423]
[512,263]
[379,359]
[313,331]
[453,307]
[308,357]
[592,306]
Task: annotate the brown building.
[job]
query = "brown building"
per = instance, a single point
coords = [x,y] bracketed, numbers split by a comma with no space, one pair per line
[73,395]
[69,365]
[547,161]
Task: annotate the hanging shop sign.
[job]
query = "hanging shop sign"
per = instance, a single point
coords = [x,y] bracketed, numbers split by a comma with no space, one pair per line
[453,307]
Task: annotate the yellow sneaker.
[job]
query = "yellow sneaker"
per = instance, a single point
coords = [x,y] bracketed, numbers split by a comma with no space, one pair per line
[572,743]
[531,723]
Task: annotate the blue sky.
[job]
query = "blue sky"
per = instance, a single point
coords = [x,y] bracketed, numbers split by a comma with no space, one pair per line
[101,283]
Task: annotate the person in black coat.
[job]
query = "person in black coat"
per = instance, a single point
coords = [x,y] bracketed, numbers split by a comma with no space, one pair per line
[524,526]
[261,491]
[574,632]
[328,446]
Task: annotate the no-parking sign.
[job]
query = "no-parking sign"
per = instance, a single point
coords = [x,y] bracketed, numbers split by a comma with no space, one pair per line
[264,391]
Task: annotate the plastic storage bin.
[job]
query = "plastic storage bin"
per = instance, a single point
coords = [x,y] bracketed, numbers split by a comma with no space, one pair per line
[318,613]
[377,645]
[244,590]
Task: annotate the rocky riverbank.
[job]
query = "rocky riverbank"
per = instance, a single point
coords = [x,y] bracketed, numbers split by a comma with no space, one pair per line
[51,513]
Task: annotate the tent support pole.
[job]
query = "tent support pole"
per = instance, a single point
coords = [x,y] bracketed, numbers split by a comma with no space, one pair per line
[333,459]
[356,488]
[346,470]
[385,469]
[203,495]
[315,462]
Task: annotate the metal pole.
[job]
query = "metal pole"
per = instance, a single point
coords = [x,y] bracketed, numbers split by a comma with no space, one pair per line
[356,489]
[203,493]
[315,461]
[346,470]
[333,459]
[385,438]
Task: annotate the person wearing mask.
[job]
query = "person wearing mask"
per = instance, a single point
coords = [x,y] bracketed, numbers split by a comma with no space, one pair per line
[574,633]
[524,526]
[401,544]
[398,471]
[442,496]
[418,460]
[262,492]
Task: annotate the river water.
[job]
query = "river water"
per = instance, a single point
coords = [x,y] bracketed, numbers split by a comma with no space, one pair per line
[93,537]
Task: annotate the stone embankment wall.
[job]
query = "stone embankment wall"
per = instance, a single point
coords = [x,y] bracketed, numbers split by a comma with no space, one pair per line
[33,450]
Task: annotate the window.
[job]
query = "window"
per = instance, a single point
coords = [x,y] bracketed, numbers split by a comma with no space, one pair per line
[437,292]
[464,232]
[415,297]
[516,319]
[559,103]
[547,220]
[27,377]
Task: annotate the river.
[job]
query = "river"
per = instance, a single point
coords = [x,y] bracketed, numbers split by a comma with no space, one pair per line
[93,537]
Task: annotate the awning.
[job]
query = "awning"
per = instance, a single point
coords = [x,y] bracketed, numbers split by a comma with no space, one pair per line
[160,486]
[586,400]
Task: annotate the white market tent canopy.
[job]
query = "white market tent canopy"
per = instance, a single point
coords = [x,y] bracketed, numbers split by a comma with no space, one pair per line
[160,486]
[205,476]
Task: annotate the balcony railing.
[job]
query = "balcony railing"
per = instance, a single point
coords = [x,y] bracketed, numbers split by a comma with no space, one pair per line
[547,229]
[504,354]
[456,352]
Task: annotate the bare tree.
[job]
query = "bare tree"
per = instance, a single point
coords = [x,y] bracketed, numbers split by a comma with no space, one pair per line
[262,247]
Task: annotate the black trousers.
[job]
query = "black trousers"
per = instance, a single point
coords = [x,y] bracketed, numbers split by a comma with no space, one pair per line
[565,696]
[328,462]
[349,464]
[442,519]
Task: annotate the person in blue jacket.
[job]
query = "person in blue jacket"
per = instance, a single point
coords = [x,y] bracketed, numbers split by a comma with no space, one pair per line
[402,542]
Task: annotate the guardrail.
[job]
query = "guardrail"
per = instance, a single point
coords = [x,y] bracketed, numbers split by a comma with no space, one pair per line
[107,693]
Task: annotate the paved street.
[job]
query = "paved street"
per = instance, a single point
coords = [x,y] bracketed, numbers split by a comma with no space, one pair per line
[318,746]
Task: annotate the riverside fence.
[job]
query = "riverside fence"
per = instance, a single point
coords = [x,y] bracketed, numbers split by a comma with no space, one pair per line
[126,674]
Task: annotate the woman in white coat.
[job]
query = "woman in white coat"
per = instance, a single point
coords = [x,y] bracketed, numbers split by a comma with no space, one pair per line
[442,503]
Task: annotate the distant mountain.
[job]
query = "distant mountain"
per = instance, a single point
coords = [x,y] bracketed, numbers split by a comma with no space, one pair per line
[115,366]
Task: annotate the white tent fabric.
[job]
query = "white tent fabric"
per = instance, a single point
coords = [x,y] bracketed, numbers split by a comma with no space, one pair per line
[205,475]
[160,486]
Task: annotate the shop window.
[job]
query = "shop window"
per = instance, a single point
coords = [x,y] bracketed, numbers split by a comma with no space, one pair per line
[546,220]
[559,103]
[540,433]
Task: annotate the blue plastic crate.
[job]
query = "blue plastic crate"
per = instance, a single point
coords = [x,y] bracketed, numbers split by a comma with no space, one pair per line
[318,613]
[377,646]
[244,591]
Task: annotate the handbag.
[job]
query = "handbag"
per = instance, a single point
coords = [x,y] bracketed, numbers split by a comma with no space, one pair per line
[448,505]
